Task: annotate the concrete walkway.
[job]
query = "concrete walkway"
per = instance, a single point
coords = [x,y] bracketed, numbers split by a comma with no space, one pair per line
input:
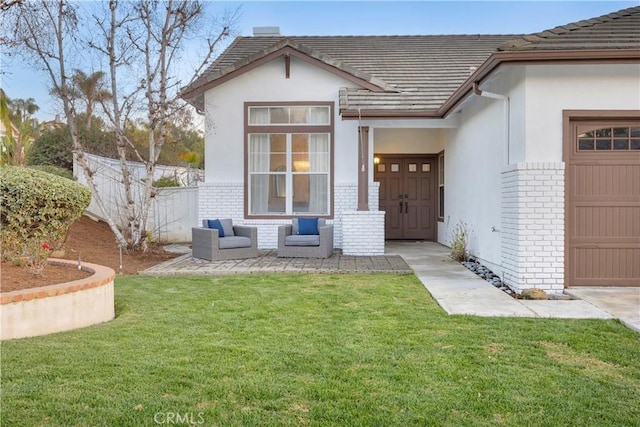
[456,289]
[459,291]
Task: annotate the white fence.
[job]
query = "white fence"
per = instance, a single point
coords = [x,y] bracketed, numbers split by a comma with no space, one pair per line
[173,211]
[186,177]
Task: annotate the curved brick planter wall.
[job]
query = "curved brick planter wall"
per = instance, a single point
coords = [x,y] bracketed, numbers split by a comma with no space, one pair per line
[61,307]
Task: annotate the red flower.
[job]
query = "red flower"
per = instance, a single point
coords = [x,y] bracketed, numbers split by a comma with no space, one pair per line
[46,246]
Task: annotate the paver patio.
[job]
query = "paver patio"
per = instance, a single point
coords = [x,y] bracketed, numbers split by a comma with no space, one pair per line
[268,262]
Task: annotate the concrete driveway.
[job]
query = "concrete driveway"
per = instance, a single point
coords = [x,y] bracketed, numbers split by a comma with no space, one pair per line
[622,302]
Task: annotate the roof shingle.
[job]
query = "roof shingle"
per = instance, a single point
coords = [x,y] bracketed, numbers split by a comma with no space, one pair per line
[415,72]
[618,30]
[418,73]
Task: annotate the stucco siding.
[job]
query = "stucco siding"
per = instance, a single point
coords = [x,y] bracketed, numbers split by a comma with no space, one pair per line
[512,84]
[473,161]
[475,154]
[222,193]
[553,88]
[224,119]
[519,192]
[409,141]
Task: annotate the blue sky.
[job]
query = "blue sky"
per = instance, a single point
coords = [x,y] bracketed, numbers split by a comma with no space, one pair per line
[363,18]
[419,17]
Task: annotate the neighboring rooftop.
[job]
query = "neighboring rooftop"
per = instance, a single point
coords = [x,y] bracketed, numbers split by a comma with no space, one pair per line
[416,74]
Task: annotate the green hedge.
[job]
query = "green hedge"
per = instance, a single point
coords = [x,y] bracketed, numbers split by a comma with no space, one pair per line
[53,147]
[56,170]
[37,210]
[166,181]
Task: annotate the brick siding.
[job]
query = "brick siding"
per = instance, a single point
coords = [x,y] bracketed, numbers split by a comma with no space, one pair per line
[226,200]
[533,226]
[363,233]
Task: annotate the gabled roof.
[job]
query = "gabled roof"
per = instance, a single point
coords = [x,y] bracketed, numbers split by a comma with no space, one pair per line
[247,51]
[409,72]
[423,76]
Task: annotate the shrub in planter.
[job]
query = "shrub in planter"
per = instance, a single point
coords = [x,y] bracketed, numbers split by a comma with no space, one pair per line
[37,210]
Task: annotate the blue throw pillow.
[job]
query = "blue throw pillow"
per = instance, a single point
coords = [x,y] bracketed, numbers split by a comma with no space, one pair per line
[308,226]
[215,223]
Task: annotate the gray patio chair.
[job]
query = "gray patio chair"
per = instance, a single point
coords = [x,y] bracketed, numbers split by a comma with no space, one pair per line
[294,245]
[241,243]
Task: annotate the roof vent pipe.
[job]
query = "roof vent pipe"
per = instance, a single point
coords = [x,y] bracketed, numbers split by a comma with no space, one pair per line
[506,109]
[266,31]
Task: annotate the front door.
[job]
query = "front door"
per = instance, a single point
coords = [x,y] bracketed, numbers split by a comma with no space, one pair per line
[408,195]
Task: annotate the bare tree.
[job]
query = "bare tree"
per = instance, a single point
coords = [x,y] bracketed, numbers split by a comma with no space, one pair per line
[6,4]
[45,32]
[152,34]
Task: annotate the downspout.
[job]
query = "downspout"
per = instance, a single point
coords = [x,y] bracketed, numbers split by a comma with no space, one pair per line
[506,109]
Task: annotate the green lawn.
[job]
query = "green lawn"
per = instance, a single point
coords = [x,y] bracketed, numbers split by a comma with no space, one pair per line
[355,350]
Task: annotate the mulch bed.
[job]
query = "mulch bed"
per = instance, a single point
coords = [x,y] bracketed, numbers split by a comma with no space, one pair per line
[91,241]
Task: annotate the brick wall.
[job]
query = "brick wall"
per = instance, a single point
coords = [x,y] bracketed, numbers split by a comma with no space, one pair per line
[221,200]
[363,233]
[533,226]
[226,200]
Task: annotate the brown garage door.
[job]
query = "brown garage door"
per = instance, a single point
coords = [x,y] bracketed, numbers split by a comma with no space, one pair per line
[603,203]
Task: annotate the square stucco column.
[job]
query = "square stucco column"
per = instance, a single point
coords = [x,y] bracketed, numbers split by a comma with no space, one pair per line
[363,233]
[533,226]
